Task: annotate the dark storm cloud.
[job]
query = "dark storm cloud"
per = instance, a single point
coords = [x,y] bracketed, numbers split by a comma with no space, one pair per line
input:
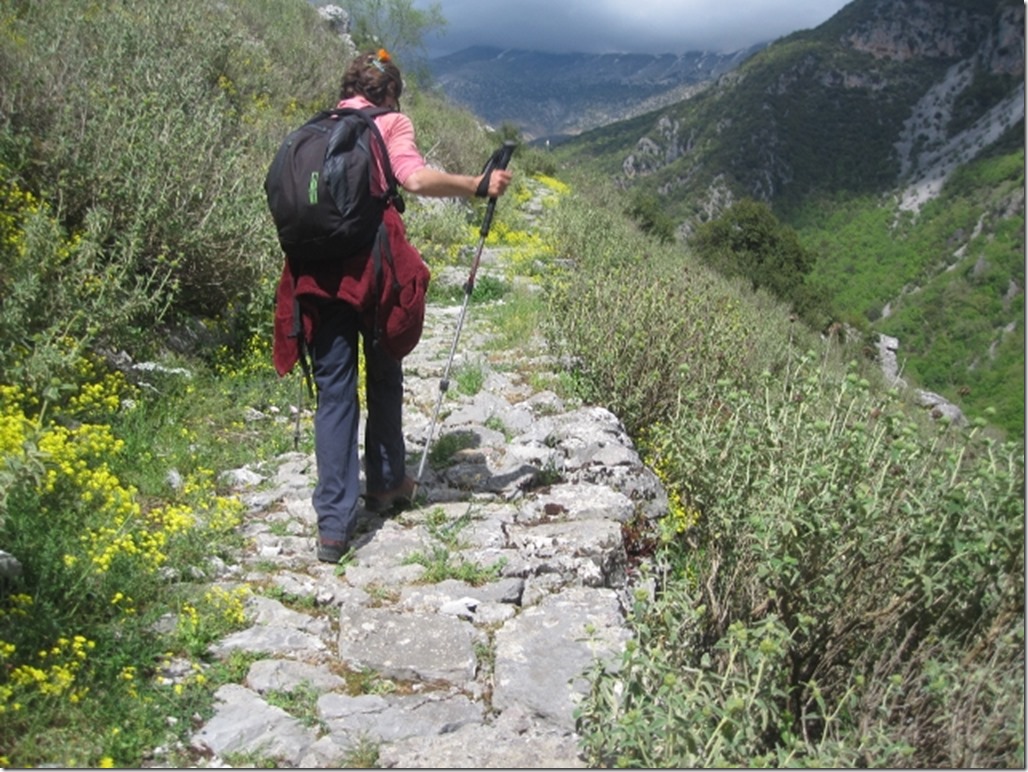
[636,26]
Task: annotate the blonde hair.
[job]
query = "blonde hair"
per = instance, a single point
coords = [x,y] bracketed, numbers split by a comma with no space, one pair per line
[373,76]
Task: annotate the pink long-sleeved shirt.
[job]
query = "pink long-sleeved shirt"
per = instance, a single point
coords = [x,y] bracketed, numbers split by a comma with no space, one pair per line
[398,133]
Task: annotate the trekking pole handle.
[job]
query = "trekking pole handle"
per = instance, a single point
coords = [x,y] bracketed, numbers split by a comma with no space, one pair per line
[498,160]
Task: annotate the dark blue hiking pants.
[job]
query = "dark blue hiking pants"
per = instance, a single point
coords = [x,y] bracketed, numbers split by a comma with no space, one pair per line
[336,420]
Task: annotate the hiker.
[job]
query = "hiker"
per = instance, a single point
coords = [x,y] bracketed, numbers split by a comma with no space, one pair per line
[331,325]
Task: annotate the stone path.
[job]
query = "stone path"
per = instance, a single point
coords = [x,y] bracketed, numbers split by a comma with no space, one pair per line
[457,633]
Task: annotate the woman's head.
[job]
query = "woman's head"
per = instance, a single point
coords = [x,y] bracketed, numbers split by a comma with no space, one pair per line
[373,76]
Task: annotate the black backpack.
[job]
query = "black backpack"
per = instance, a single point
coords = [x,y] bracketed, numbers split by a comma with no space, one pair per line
[319,186]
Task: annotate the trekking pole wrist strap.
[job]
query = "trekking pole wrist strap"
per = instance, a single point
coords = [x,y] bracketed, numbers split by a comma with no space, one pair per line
[483,187]
[497,160]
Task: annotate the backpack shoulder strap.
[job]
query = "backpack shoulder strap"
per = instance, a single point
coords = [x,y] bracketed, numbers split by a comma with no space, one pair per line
[369,114]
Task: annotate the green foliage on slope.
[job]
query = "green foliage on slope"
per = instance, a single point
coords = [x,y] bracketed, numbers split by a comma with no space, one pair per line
[810,125]
[838,577]
[748,241]
[948,282]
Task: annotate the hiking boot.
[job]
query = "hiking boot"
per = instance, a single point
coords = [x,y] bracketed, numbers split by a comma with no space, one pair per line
[399,497]
[332,550]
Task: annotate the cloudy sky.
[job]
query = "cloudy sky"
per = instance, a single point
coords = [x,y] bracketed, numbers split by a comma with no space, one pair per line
[633,26]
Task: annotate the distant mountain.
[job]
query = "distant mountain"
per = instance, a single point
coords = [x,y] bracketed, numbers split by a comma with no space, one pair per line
[884,90]
[549,95]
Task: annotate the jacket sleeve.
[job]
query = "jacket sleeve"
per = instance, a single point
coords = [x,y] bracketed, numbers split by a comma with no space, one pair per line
[285,349]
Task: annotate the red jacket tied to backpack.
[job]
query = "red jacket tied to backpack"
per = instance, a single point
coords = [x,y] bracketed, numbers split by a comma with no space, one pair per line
[400,313]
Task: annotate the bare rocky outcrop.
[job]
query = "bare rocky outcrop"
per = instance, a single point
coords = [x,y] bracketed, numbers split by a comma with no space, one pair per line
[338,19]
[937,405]
[917,29]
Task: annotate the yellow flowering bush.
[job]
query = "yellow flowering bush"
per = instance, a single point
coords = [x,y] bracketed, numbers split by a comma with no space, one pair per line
[18,459]
[51,672]
[555,186]
[215,613]
[14,425]
[100,391]
[79,484]
[100,553]
[529,250]
[255,359]
[659,456]
[15,205]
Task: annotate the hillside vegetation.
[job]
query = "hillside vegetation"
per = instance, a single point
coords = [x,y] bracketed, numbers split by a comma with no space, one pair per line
[948,284]
[838,582]
[831,128]
[824,574]
[137,268]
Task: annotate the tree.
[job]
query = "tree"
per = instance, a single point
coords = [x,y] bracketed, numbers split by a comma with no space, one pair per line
[395,25]
[747,240]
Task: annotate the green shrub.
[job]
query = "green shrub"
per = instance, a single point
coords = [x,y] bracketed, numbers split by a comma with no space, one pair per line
[61,294]
[853,582]
[449,445]
[157,119]
[639,319]
[748,241]
[469,377]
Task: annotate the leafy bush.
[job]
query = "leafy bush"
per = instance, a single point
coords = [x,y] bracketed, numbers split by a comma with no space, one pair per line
[646,209]
[675,322]
[851,594]
[157,119]
[748,241]
[61,293]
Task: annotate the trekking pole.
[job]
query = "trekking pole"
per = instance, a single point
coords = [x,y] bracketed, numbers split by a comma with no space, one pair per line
[498,160]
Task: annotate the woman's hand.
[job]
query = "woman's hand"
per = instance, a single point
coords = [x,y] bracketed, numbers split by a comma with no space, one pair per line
[499,179]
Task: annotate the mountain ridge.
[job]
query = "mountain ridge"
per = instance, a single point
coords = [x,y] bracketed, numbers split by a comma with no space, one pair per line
[892,138]
[551,95]
[856,83]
